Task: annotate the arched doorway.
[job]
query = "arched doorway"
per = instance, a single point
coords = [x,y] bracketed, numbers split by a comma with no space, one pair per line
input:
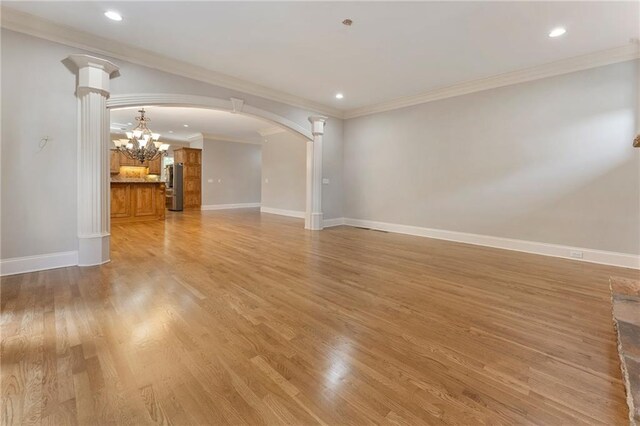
[94,104]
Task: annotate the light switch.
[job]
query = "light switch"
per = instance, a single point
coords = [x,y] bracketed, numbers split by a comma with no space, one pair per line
[325,181]
[266,180]
[210,180]
[219,180]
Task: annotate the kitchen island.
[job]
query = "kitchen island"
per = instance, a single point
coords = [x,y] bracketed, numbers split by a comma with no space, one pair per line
[137,200]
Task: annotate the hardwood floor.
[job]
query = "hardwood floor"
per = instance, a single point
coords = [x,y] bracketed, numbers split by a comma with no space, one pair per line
[236,317]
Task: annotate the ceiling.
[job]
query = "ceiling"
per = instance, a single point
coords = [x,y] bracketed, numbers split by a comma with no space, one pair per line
[392,50]
[170,121]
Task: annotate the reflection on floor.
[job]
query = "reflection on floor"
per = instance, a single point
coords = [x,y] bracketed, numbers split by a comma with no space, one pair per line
[246,318]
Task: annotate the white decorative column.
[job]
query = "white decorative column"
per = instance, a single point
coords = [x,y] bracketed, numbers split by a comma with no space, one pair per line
[93,158]
[313,212]
[636,141]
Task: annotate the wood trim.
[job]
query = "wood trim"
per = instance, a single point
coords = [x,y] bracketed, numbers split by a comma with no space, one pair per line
[21,265]
[194,101]
[624,260]
[564,66]
[29,24]
[282,212]
[25,23]
[229,206]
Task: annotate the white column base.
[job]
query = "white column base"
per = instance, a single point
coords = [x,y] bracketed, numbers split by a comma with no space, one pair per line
[314,223]
[93,250]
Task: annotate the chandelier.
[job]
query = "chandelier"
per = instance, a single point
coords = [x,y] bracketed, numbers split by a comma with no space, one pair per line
[141,143]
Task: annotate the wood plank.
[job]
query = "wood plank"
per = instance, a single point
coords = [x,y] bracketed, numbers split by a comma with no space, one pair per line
[233,317]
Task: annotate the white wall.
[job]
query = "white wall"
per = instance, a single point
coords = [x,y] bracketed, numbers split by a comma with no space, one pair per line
[38,212]
[38,209]
[548,161]
[284,172]
[234,170]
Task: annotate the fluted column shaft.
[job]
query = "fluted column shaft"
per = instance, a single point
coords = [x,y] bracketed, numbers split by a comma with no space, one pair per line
[313,212]
[93,159]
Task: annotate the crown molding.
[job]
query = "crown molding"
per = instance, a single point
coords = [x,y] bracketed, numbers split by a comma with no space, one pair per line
[32,25]
[223,138]
[271,131]
[563,66]
[28,24]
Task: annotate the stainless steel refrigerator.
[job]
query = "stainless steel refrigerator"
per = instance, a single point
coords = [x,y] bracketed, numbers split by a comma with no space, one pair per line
[174,181]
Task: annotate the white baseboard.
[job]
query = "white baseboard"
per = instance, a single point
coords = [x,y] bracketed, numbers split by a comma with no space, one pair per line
[290,213]
[589,255]
[229,206]
[328,223]
[21,265]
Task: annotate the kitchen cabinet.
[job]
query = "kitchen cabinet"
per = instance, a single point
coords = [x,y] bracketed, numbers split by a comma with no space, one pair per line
[137,201]
[191,159]
[155,166]
[114,162]
[119,159]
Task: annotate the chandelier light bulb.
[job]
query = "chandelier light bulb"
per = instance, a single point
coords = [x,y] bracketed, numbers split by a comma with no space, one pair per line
[141,143]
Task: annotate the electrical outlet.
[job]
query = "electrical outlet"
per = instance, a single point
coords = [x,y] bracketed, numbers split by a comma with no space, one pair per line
[576,254]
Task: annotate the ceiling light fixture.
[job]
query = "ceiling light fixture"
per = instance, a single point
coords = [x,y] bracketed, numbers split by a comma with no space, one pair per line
[339,96]
[185,125]
[557,32]
[114,16]
[141,143]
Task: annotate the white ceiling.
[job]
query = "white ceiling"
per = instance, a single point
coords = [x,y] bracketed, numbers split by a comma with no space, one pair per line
[165,120]
[391,50]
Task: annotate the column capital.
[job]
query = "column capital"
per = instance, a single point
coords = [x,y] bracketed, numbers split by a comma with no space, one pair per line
[93,73]
[317,124]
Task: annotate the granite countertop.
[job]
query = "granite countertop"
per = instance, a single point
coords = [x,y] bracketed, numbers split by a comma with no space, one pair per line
[136,180]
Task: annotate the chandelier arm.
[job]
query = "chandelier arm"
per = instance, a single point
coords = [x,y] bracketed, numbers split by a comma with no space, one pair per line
[139,151]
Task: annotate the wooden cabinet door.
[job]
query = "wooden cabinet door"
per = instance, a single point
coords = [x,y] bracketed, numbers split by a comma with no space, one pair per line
[120,200]
[192,200]
[178,156]
[193,157]
[114,162]
[124,160]
[191,172]
[155,166]
[191,185]
[145,200]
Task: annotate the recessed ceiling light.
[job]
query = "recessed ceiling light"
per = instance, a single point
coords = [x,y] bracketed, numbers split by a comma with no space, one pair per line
[339,96]
[185,125]
[114,16]
[557,32]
